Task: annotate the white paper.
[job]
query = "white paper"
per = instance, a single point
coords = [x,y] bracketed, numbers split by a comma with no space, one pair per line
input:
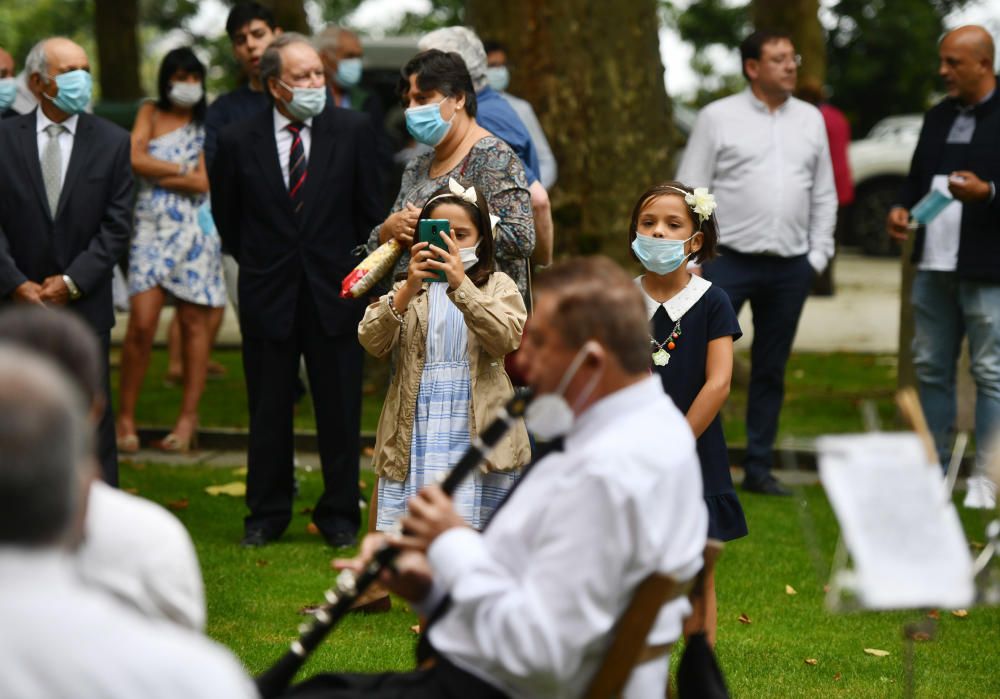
[900,527]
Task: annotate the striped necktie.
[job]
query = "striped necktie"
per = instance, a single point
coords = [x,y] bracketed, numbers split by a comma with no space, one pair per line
[297,166]
[52,166]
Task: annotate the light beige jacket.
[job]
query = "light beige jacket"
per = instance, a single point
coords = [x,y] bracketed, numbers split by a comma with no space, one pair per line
[494,315]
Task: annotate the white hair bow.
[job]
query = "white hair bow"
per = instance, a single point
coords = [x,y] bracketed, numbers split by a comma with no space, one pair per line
[468,195]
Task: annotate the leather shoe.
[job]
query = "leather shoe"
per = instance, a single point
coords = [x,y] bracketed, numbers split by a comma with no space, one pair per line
[255,538]
[340,539]
[765,486]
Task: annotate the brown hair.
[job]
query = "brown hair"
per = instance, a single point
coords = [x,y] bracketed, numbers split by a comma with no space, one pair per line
[708,228]
[479,212]
[597,300]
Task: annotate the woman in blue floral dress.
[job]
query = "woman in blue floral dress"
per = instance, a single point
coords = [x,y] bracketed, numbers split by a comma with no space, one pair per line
[175,252]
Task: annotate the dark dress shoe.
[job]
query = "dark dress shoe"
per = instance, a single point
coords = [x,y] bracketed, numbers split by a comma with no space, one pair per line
[255,538]
[765,486]
[340,539]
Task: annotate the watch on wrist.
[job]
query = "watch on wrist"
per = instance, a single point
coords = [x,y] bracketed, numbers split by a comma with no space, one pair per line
[74,290]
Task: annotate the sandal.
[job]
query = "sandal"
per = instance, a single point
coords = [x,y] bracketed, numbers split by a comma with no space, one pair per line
[175,445]
[128,444]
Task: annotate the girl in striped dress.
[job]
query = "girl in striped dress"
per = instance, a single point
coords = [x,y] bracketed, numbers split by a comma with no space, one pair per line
[447,341]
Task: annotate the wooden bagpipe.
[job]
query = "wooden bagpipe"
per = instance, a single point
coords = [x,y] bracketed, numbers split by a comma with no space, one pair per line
[350,586]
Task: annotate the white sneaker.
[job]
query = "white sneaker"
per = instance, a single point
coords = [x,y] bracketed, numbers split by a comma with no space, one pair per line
[981,493]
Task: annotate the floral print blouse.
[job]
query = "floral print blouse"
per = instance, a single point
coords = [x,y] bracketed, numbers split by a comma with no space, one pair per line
[494,168]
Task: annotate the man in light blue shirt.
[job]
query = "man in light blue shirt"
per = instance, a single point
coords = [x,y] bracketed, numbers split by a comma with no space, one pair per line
[765,157]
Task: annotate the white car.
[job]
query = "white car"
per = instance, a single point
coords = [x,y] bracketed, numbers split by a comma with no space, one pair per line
[879,163]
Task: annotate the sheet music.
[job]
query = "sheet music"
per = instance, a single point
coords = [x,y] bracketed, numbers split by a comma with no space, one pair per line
[902,530]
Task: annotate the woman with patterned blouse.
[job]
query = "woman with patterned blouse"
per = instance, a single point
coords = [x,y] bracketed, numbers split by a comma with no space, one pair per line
[441,113]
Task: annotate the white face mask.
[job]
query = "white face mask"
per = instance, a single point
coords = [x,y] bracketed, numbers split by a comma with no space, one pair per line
[468,256]
[185,94]
[549,415]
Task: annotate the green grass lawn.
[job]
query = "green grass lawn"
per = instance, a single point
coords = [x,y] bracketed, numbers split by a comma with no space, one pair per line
[254,598]
[823,395]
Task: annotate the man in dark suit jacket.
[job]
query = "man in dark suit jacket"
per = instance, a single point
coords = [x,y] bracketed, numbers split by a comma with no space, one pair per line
[65,213]
[293,192]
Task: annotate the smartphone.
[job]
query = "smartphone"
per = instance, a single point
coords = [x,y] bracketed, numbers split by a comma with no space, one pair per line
[429,230]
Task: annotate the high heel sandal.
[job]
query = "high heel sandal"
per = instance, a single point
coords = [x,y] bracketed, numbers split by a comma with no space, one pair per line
[175,445]
[128,444]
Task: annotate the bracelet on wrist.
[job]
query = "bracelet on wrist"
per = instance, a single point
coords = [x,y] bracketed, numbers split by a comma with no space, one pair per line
[392,307]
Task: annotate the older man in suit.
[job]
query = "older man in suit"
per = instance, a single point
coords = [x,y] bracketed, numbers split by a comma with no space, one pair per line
[65,213]
[294,190]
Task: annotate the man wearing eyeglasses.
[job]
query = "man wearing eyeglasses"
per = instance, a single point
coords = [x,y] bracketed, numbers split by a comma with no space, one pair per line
[765,157]
[66,213]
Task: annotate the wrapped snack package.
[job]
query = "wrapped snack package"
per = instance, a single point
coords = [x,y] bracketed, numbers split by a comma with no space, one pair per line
[370,270]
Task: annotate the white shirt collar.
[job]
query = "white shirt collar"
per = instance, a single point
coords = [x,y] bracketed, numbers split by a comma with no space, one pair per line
[762,106]
[681,302]
[281,121]
[610,408]
[43,121]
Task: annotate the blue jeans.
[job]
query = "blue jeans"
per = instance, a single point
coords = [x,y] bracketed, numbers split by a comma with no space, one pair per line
[944,310]
[776,288]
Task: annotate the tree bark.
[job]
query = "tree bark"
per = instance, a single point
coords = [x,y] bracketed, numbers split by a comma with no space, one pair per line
[800,19]
[592,71]
[290,15]
[115,27]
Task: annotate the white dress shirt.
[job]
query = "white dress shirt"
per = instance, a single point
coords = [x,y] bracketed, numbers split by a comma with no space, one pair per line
[142,554]
[60,638]
[536,596]
[770,173]
[284,139]
[65,139]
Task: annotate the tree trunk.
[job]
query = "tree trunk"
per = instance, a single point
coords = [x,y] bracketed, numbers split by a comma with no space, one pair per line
[115,27]
[800,19]
[290,15]
[592,71]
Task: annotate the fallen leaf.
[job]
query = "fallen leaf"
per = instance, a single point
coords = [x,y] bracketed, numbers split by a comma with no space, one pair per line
[978,545]
[960,613]
[789,590]
[934,614]
[362,485]
[236,489]
[311,528]
[240,471]
[261,563]
[181,504]
[812,661]
[368,451]
[415,628]
[826,588]
[836,678]
[133,491]
[876,652]
[306,511]
[920,636]
[744,619]
[138,465]
[309,609]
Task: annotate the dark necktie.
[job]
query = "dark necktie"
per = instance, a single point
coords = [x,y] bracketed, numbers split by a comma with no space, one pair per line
[424,648]
[297,170]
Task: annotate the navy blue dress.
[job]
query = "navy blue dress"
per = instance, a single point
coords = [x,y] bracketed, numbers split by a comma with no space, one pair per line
[711,317]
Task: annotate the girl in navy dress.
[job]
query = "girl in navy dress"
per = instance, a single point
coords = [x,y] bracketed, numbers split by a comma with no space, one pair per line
[693,327]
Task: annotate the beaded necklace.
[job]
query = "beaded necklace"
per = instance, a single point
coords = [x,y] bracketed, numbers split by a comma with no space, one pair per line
[660,355]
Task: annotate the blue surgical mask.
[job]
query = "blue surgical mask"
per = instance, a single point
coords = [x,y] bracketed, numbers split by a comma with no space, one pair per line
[8,92]
[498,77]
[306,102]
[426,124]
[75,89]
[348,72]
[658,255]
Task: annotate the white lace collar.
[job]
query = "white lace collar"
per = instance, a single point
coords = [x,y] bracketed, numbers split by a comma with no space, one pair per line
[681,302]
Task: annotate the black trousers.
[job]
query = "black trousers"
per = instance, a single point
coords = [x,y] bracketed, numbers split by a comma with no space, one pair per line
[334,367]
[107,446]
[442,681]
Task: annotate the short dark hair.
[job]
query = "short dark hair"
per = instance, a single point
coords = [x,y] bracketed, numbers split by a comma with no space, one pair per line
[184,59]
[596,300]
[753,45]
[62,338]
[491,45]
[437,70]
[243,13]
[708,228]
[479,212]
